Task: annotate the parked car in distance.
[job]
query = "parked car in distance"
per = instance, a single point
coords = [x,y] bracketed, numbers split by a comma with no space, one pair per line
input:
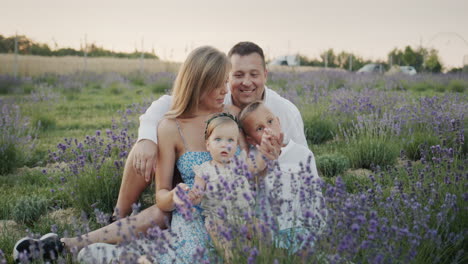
[409,70]
[372,68]
[288,60]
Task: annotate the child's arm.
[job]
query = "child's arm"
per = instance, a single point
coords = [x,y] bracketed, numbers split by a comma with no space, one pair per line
[196,193]
[256,163]
[269,148]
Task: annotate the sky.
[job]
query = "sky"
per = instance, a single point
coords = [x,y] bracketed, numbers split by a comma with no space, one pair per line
[368,28]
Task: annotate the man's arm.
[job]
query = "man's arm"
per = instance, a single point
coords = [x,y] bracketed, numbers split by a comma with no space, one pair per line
[145,150]
[150,119]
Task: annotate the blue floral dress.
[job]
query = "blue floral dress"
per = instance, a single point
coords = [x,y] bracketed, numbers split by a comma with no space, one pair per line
[191,234]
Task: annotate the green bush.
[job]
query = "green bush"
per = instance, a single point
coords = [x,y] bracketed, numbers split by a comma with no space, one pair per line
[9,157]
[370,151]
[6,205]
[38,157]
[44,122]
[49,78]
[330,165]
[95,86]
[161,87]
[28,88]
[457,86]
[16,138]
[356,183]
[318,129]
[418,143]
[115,88]
[419,87]
[28,209]
[95,188]
[9,84]
[137,79]
[425,86]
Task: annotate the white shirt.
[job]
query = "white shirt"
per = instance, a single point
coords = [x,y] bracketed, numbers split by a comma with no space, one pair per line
[298,170]
[290,117]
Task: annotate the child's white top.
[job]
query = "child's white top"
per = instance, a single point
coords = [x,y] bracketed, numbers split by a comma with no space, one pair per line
[224,188]
[298,170]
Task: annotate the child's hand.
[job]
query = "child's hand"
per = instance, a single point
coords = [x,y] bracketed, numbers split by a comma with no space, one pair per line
[195,195]
[180,194]
[270,145]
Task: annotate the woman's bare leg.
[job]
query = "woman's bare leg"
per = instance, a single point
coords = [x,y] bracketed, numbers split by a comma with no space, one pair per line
[131,188]
[122,229]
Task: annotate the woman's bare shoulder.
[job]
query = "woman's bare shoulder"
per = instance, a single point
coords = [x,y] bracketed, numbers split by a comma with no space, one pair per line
[167,126]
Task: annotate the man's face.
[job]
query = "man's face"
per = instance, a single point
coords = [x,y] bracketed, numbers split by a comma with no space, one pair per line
[247,79]
[256,123]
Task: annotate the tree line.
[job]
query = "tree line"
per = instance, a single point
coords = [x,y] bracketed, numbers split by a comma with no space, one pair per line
[422,59]
[27,46]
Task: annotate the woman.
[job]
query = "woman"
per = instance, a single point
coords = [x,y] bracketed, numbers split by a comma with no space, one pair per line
[198,92]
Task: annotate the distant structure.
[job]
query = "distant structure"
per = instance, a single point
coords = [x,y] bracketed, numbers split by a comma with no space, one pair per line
[287,60]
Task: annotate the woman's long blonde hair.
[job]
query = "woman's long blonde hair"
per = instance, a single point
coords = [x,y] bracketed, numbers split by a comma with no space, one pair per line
[204,70]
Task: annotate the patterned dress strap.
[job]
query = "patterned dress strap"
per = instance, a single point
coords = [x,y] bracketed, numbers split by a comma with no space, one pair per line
[182,135]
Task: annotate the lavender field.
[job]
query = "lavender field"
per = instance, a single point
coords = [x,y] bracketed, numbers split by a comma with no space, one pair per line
[390,150]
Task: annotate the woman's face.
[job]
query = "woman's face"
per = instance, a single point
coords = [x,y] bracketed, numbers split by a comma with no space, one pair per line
[214,100]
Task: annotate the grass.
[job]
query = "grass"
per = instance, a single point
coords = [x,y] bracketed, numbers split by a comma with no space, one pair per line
[83,111]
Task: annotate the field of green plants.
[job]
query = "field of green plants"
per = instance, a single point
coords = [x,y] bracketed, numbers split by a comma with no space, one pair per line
[390,149]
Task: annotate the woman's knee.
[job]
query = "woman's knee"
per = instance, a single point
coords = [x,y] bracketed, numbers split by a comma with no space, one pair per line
[161,218]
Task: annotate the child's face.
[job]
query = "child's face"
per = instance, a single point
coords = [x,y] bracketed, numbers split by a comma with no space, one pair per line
[222,143]
[257,122]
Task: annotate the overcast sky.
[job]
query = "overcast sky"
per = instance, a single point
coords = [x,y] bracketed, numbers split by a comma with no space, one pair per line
[369,28]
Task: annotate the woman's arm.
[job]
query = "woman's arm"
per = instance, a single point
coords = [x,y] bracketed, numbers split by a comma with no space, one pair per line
[167,152]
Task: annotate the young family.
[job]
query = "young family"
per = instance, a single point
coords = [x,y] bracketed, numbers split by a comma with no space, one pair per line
[220,110]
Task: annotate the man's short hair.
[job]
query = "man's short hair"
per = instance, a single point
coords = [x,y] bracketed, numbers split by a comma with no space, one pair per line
[246,48]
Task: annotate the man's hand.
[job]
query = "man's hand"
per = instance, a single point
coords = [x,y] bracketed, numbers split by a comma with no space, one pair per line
[144,160]
[271,144]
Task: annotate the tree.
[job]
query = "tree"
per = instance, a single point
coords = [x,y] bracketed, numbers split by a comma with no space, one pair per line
[304,61]
[27,46]
[395,57]
[342,59]
[432,63]
[40,49]
[413,58]
[329,58]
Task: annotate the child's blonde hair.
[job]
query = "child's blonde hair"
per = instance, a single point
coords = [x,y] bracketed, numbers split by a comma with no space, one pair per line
[248,110]
[218,120]
[204,70]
